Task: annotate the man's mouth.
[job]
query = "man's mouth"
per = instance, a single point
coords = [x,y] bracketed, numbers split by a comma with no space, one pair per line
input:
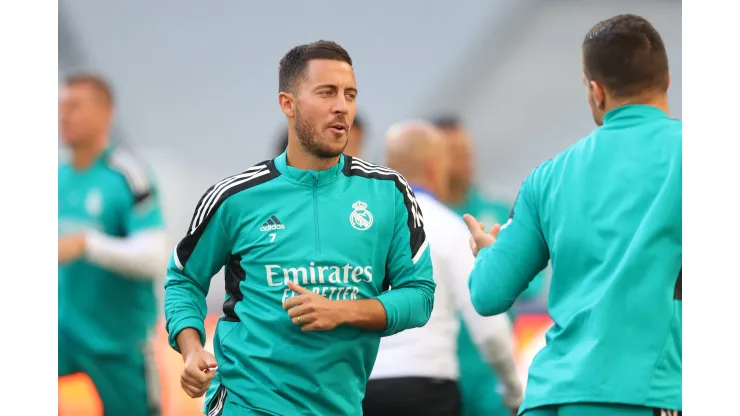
[337,128]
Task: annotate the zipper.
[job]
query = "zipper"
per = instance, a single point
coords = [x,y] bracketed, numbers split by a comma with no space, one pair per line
[316,213]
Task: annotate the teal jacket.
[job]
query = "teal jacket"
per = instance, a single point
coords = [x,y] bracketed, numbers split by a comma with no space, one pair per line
[107,312]
[607,213]
[347,233]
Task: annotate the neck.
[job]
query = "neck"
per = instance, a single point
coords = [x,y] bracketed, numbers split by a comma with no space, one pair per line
[456,195]
[300,159]
[83,155]
[656,100]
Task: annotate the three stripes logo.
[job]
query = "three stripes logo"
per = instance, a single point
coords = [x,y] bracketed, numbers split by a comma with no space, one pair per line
[217,192]
[272,224]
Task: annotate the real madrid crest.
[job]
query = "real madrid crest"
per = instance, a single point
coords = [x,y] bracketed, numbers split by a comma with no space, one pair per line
[360,218]
[94,202]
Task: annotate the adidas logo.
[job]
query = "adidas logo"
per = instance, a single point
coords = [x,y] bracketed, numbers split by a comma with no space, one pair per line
[272,224]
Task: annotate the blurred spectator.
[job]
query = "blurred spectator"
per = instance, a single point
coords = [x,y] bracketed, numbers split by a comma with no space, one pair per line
[480,389]
[416,371]
[112,247]
[356,142]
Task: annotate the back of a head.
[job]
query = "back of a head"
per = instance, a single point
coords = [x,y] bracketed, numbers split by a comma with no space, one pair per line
[417,150]
[627,55]
[293,65]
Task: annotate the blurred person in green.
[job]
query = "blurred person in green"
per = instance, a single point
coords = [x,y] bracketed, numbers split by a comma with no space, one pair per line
[480,388]
[112,248]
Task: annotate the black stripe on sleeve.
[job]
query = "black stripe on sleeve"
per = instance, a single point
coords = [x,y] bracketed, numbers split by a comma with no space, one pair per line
[677,291]
[511,212]
[214,197]
[357,167]
[233,276]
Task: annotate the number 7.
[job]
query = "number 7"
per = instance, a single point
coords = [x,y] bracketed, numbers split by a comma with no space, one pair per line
[272,237]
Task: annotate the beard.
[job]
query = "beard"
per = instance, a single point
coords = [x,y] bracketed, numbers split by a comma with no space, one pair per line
[311,139]
[458,184]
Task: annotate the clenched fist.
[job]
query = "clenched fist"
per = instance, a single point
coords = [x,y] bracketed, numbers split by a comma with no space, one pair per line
[200,368]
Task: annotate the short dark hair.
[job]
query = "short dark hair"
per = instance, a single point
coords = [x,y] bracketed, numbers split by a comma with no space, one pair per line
[446,121]
[97,82]
[294,63]
[627,55]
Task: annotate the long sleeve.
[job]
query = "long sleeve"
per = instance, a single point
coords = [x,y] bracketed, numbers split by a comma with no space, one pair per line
[409,269]
[505,269]
[200,254]
[140,256]
[493,336]
[141,252]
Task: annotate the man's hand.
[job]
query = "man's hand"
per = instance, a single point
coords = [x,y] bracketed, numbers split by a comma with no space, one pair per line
[200,368]
[312,311]
[479,238]
[71,248]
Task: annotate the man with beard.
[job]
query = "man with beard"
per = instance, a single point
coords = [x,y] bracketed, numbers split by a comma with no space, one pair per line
[355,144]
[311,241]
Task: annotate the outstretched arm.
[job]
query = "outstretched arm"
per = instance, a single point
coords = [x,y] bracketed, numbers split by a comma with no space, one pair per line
[509,258]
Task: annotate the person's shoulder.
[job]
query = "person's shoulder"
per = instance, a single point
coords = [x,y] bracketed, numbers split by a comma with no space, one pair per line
[134,172]
[357,167]
[435,209]
[255,176]
[547,168]
[438,216]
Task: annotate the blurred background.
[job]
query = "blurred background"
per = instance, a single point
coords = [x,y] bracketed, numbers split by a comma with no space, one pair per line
[196,82]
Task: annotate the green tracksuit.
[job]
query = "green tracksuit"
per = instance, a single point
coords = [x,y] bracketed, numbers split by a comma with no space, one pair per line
[346,233]
[479,385]
[106,318]
[607,213]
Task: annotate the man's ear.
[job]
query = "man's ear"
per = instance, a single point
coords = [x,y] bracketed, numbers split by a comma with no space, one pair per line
[599,94]
[287,101]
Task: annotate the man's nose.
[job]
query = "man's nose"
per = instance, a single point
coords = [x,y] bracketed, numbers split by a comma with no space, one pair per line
[340,106]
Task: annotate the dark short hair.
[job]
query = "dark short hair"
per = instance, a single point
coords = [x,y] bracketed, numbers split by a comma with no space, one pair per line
[446,121]
[627,55]
[97,82]
[294,63]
